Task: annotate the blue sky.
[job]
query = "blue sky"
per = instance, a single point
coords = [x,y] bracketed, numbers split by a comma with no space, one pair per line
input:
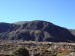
[59,12]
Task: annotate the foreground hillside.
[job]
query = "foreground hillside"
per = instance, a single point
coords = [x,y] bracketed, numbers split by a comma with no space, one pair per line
[34,48]
[36,31]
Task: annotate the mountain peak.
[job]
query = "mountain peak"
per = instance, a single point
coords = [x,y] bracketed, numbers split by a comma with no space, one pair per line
[36,30]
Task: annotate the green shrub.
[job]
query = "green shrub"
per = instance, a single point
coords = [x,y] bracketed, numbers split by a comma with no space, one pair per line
[21,52]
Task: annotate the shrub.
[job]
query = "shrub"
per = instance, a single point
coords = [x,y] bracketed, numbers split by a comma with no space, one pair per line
[21,52]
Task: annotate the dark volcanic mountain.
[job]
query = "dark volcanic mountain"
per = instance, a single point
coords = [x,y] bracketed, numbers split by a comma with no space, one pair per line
[36,31]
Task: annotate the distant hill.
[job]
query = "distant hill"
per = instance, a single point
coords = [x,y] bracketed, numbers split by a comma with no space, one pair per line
[36,31]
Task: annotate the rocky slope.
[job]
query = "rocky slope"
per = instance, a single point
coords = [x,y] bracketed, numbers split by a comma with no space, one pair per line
[36,31]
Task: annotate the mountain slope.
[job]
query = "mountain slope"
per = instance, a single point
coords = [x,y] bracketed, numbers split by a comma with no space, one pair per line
[36,31]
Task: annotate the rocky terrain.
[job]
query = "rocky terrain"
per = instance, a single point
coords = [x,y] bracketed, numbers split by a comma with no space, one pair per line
[36,31]
[34,48]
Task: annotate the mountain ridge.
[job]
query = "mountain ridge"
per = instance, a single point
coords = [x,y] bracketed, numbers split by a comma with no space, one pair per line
[36,31]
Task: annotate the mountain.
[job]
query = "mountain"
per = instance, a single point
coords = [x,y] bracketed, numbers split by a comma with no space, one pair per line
[36,31]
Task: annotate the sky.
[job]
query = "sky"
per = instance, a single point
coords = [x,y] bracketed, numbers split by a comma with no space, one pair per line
[59,12]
